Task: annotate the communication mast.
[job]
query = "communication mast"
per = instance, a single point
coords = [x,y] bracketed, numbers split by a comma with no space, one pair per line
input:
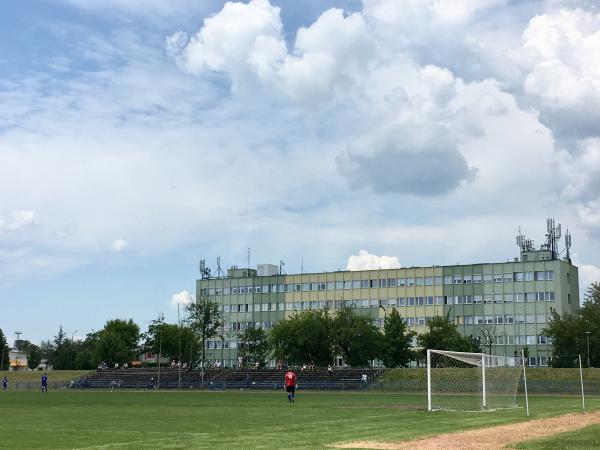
[553,234]
[568,246]
[204,271]
[526,245]
[220,273]
[281,266]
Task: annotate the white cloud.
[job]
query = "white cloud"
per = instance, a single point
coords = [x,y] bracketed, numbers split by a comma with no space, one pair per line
[367,261]
[181,298]
[17,220]
[119,245]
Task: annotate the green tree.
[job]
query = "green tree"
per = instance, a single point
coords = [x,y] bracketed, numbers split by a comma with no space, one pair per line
[172,340]
[356,338]
[253,346]
[443,335]
[396,351]
[118,341]
[568,332]
[302,338]
[3,351]
[62,353]
[34,356]
[204,319]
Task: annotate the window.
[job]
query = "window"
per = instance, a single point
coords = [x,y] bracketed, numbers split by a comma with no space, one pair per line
[487,278]
[401,301]
[508,277]
[226,308]
[508,298]
[420,301]
[439,300]
[447,279]
[364,284]
[339,285]
[355,284]
[401,282]
[257,307]
[498,319]
[478,299]
[540,296]
[383,302]
[541,340]
[330,285]
[528,276]
[468,299]
[419,281]
[509,318]
[226,291]
[519,318]
[550,296]
[540,318]
[392,302]
[410,301]
[550,275]
[520,340]
[478,320]
[391,282]
[529,297]
[468,279]
[428,281]
[530,340]
[510,340]
[383,283]
[477,279]
[459,299]
[314,305]
[518,276]
[410,281]
[457,279]
[234,290]
[529,318]
[540,276]
[488,298]
[438,280]
[347,284]
[429,300]
[322,286]
[498,298]
[374,303]
[497,278]
[519,297]
[468,320]
[297,287]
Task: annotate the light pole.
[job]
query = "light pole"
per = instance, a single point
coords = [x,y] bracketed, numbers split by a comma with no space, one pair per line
[587,333]
[73,349]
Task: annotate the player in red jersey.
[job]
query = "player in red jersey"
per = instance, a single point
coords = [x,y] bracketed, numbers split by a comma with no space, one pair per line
[290,385]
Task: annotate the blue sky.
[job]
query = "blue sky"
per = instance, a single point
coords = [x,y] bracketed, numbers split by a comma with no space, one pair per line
[139,137]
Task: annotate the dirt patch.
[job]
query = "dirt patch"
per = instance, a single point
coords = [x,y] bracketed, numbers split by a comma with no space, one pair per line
[491,437]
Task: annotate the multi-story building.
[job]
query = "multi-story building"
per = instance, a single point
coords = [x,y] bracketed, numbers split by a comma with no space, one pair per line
[506,304]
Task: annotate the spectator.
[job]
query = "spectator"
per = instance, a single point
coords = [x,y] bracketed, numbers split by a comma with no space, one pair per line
[329,370]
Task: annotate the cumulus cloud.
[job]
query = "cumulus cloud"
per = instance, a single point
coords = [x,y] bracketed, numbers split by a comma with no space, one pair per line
[119,245]
[367,261]
[422,161]
[17,220]
[559,57]
[181,298]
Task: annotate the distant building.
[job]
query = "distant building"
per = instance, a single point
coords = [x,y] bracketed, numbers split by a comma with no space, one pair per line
[17,360]
[505,304]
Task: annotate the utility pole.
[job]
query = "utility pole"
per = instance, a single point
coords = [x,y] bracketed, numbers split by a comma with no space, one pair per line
[161,319]
[587,333]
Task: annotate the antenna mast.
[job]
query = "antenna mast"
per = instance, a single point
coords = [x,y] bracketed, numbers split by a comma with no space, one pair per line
[568,245]
[220,273]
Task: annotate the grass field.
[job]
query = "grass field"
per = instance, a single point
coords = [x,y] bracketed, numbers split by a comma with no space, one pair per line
[143,419]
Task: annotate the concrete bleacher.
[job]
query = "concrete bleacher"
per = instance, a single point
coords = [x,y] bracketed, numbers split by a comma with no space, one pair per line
[340,379]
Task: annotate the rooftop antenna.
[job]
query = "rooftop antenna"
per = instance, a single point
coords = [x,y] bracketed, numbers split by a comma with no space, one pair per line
[553,234]
[204,271]
[568,245]
[281,266]
[248,257]
[524,244]
[220,273]
[302,266]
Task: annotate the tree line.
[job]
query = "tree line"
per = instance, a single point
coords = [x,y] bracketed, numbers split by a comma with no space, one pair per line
[305,337]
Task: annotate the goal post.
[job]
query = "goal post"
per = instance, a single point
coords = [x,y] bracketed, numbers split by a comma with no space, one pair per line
[461,381]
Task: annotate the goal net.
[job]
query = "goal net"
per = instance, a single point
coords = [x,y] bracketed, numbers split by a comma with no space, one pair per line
[458,381]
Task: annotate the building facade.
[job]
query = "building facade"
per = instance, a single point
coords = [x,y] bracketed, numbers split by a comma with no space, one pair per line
[506,304]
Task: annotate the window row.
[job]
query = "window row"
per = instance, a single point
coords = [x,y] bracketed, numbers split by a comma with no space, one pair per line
[499,319]
[509,277]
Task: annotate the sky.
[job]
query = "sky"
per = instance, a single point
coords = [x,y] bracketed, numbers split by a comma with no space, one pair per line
[138,137]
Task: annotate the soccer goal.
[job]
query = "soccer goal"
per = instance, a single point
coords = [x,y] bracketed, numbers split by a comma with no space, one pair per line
[459,381]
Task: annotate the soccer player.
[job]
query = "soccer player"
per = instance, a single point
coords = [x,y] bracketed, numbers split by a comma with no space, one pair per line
[5,383]
[45,383]
[290,385]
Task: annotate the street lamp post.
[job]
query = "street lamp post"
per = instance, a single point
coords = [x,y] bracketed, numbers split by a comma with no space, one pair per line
[73,349]
[587,333]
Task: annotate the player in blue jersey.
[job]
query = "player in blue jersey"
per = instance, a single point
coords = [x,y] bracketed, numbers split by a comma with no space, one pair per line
[5,383]
[45,383]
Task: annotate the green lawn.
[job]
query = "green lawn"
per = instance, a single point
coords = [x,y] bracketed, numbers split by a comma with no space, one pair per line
[142,419]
